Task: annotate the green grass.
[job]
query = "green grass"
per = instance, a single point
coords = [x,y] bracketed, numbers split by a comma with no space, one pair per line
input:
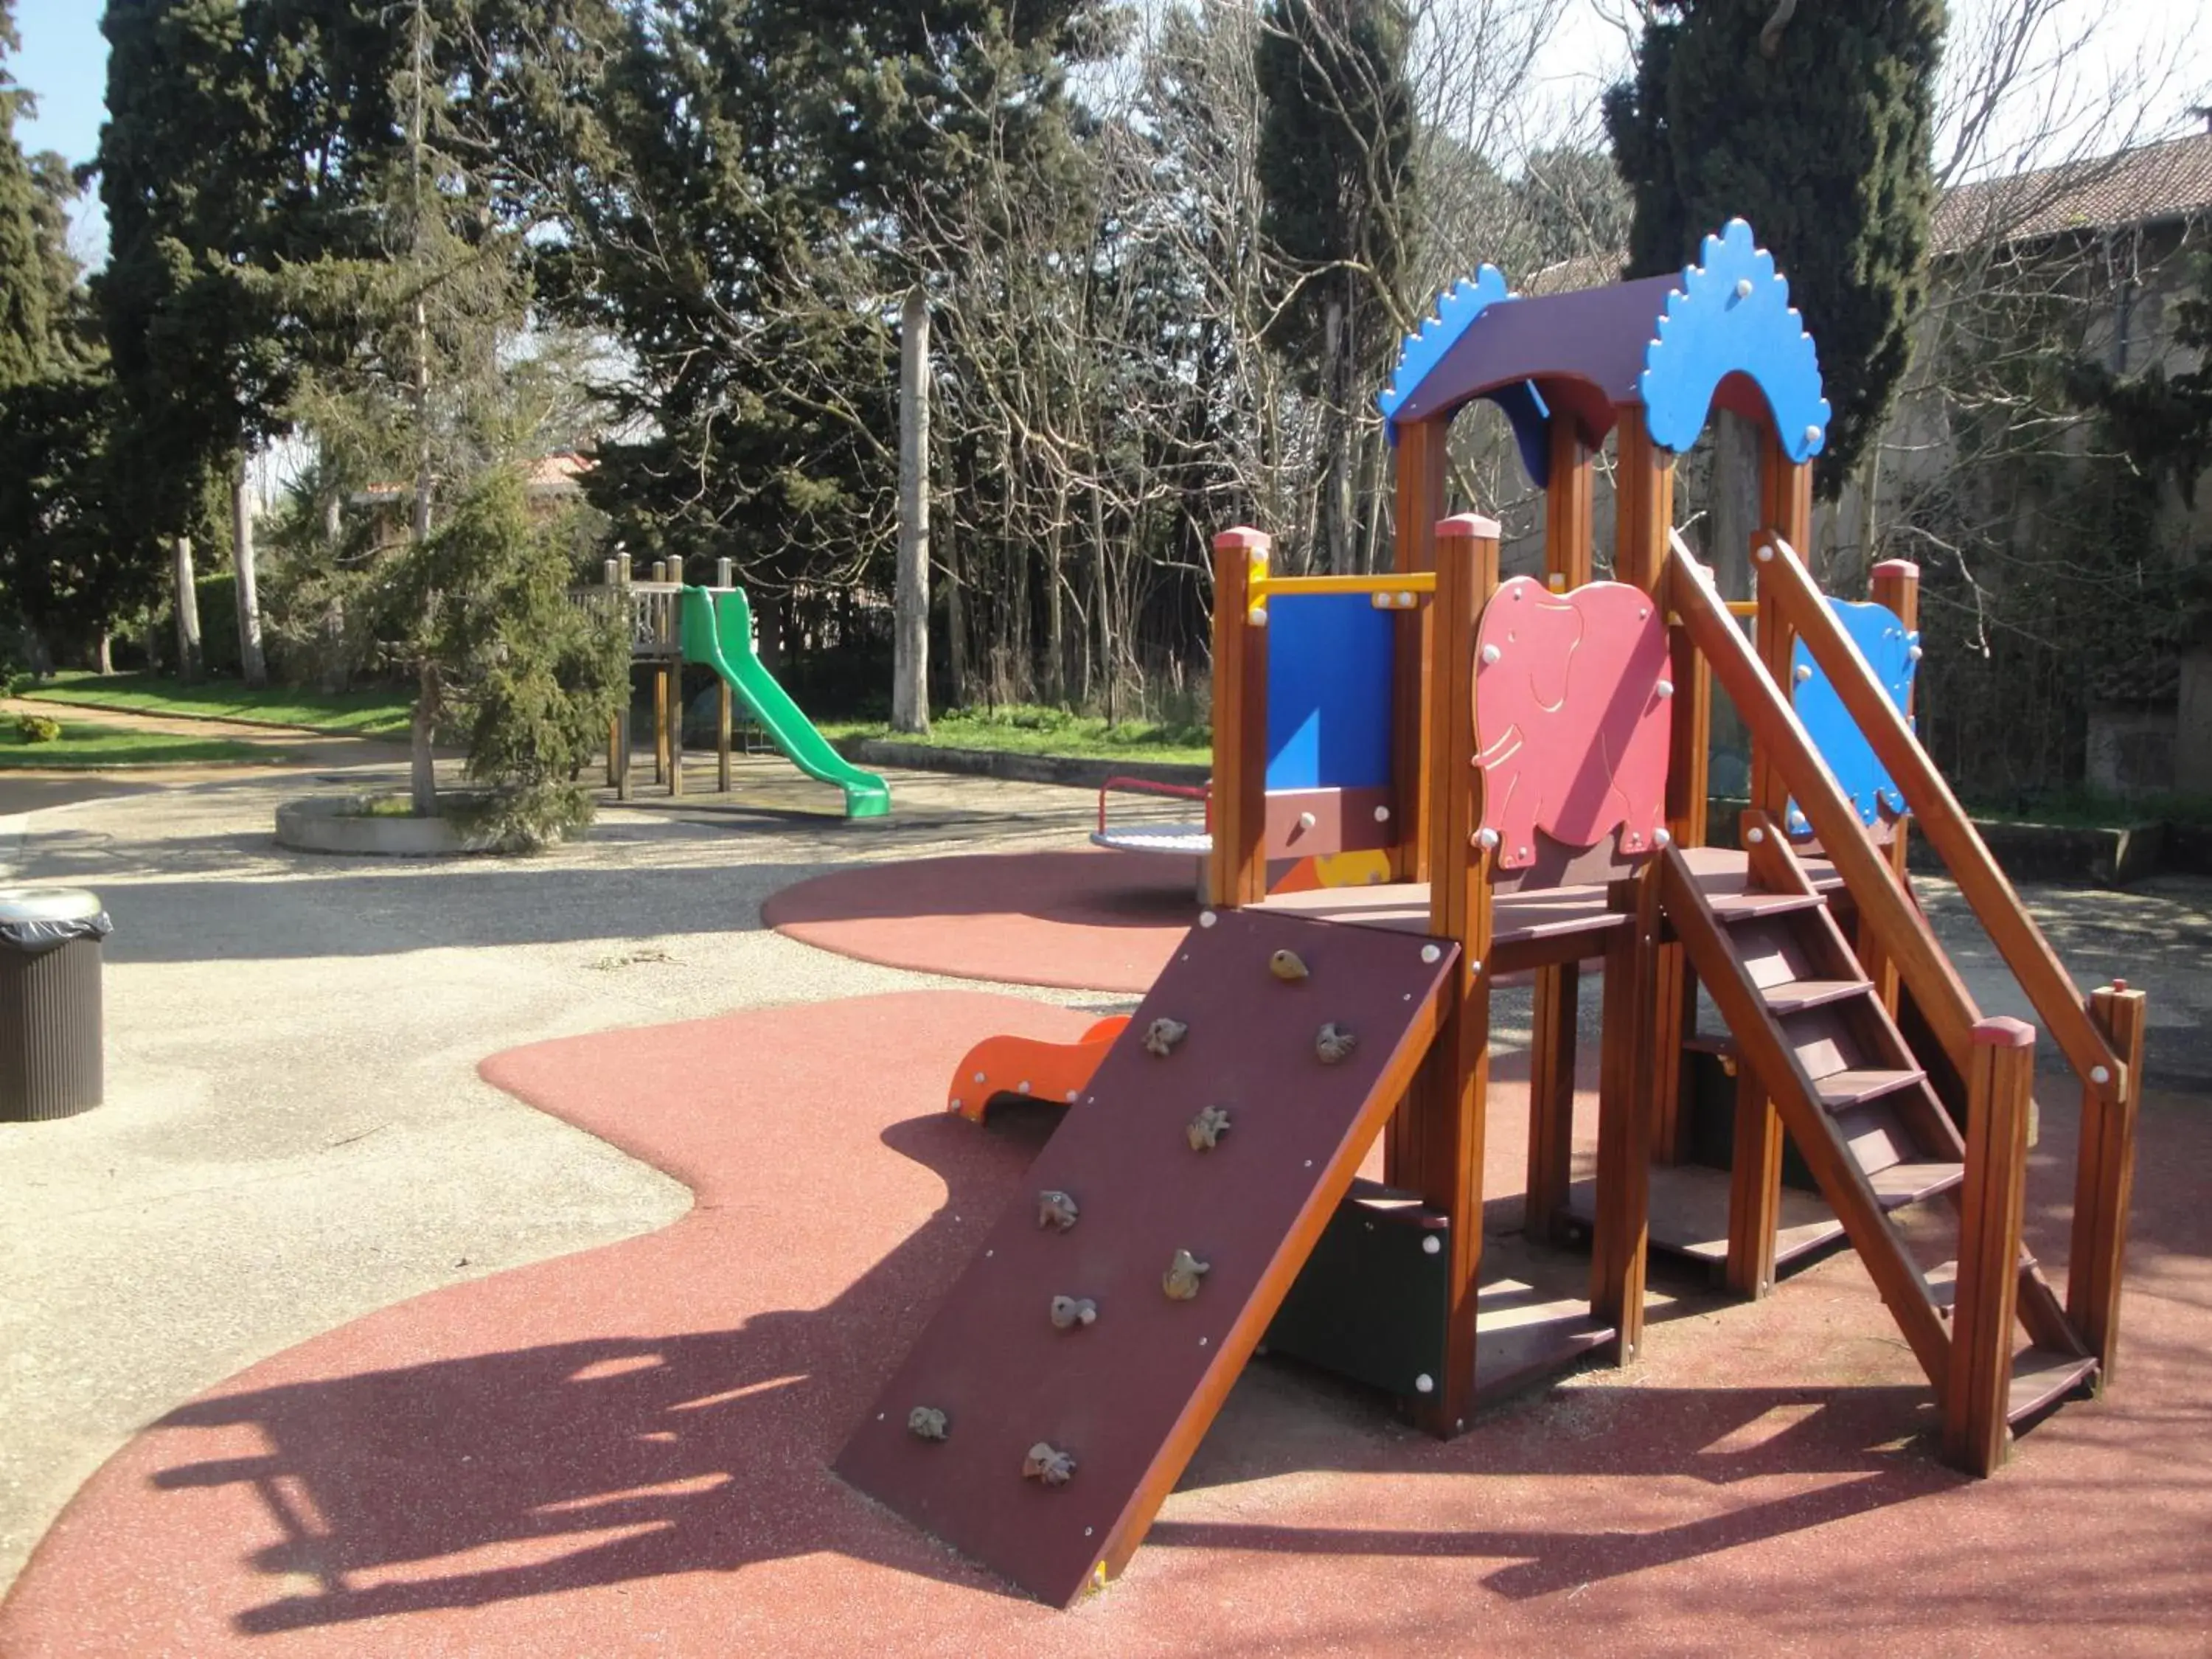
[2082,808]
[95,748]
[1025,730]
[354,714]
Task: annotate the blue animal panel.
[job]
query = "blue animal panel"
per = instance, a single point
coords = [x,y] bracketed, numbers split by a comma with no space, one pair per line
[1330,672]
[1893,651]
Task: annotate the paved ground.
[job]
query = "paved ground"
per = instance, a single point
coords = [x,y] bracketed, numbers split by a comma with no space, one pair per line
[627,1451]
[296,1135]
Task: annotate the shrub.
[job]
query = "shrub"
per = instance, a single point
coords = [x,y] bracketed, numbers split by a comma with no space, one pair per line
[38,728]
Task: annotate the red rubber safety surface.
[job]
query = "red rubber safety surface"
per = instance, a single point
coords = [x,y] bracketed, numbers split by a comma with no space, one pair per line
[626,1451]
[1083,920]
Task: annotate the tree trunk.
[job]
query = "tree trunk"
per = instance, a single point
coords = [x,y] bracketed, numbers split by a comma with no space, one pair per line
[422,770]
[106,659]
[955,623]
[910,604]
[1336,491]
[251,660]
[188,613]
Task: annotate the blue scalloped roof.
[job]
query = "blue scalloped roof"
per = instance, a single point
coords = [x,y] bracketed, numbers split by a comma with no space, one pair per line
[1731,315]
[1456,309]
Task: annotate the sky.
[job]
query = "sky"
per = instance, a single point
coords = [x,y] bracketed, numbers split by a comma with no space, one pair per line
[64,62]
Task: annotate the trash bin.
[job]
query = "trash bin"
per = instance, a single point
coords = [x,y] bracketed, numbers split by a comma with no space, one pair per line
[51,1063]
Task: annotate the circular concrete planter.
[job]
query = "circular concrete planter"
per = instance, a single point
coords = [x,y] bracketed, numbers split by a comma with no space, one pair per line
[337,823]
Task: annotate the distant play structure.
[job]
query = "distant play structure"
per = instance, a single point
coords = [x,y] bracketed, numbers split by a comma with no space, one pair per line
[671,624]
[1529,760]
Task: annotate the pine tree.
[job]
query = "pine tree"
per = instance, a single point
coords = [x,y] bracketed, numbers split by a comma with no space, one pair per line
[1817,131]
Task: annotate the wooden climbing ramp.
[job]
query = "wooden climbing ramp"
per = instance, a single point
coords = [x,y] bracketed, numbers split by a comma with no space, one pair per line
[1050,1405]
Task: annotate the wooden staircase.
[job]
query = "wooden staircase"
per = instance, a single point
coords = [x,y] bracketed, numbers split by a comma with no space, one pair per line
[1857,1104]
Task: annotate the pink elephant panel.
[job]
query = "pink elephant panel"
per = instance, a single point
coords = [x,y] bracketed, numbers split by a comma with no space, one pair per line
[1570,719]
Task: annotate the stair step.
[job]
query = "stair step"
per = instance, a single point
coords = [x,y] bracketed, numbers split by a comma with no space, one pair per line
[1841,1089]
[1748,907]
[1901,1184]
[2042,1378]
[1796,996]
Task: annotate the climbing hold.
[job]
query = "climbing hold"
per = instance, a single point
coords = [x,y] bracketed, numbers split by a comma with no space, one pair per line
[927,1423]
[1288,966]
[1047,1463]
[1206,1129]
[1072,1312]
[1333,1042]
[1055,1209]
[1181,1281]
[1162,1035]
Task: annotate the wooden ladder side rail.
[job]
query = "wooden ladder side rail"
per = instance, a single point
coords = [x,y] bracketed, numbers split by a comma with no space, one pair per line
[1897,926]
[2103,1183]
[2057,1001]
[1844,1185]
[1237,873]
[1975,1400]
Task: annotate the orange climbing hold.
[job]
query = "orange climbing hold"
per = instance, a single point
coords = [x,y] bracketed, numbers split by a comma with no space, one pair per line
[1023,1066]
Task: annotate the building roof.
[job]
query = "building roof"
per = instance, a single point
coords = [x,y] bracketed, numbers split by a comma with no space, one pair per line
[2151,184]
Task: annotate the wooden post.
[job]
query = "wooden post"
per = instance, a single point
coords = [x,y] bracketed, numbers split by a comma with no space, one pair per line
[1421,462]
[2104,1181]
[1896,584]
[1552,1098]
[1644,516]
[1785,494]
[724,725]
[1438,1134]
[1570,532]
[1570,545]
[1754,1188]
[1976,1390]
[675,672]
[659,722]
[1237,872]
[1635,1026]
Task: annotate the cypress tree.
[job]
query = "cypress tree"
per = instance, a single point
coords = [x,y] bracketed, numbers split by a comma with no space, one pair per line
[1816,130]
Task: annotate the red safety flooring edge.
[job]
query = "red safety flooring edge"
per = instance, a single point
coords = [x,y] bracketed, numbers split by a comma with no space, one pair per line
[1082,919]
[626,1451]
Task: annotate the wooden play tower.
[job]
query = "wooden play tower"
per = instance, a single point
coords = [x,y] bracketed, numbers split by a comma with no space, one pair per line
[1542,805]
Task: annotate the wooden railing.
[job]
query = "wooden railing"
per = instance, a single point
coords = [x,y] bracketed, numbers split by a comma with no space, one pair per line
[1944,823]
[1774,726]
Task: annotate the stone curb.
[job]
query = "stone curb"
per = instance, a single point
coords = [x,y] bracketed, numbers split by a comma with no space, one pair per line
[1073,771]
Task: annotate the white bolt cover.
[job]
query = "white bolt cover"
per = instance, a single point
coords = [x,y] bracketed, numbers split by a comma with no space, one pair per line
[1491,654]
[1433,1245]
[1743,287]
[1487,839]
[1206,918]
[1307,820]
[1382,815]
[1665,688]
[1754,837]
[1425,1384]
[1432,954]
[1258,617]
[1812,434]
[1804,673]
[1662,837]
[2099,1074]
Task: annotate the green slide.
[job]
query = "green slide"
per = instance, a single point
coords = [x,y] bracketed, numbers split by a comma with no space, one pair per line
[718,630]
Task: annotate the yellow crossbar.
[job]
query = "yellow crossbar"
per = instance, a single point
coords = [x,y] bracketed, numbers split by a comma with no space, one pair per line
[1400,592]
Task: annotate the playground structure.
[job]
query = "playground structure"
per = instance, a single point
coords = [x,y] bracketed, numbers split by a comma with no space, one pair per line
[1530,757]
[670,624]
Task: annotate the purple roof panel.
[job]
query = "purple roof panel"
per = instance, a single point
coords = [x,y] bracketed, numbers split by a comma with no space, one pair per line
[1585,350]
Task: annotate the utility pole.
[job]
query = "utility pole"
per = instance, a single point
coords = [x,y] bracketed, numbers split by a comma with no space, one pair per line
[910,604]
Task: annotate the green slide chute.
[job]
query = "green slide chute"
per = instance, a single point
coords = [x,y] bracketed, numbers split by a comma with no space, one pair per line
[718,631]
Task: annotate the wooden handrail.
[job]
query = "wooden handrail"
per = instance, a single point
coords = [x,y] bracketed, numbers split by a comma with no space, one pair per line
[2056,999]
[1935,984]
